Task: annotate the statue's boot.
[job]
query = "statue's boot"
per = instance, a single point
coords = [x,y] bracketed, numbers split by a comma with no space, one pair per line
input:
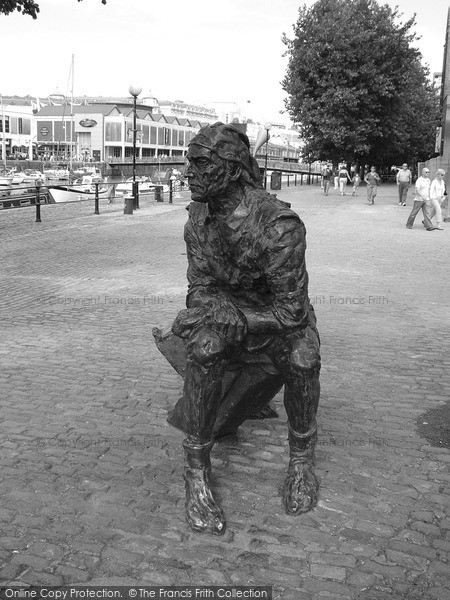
[202,511]
[301,487]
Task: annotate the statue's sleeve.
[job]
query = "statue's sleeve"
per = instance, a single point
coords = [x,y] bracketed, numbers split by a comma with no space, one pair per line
[286,273]
[202,286]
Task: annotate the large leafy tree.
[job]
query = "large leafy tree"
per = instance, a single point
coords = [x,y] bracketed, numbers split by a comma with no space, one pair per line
[26,7]
[356,86]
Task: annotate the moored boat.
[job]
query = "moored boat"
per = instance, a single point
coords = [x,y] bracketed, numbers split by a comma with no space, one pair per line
[76,192]
[60,173]
[146,186]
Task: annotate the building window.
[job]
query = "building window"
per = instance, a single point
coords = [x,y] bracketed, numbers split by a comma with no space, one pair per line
[145,136]
[26,126]
[129,152]
[113,132]
[146,152]
[117,152]
[6,118]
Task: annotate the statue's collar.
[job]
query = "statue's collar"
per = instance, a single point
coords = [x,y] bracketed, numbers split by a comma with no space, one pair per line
[235,218]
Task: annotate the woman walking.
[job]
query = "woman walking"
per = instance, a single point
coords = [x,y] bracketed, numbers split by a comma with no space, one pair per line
[344,177]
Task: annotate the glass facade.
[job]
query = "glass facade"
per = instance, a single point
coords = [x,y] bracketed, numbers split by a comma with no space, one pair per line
[113,132]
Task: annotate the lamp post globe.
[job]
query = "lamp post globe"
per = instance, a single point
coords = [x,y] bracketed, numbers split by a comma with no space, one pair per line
[135,90]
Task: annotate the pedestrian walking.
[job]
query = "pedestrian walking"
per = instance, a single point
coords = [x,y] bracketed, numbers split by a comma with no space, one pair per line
[327,174]
[422,201]
[437,192]
[111,194]
[336,178]
[373,181]
[344,178]
[356,181]
[404,180]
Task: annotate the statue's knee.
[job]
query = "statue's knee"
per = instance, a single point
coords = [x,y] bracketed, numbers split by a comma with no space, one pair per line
[206,346]
[305,357]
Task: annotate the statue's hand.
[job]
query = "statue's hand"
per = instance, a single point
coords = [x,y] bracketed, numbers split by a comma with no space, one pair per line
[188,321]
[227,320]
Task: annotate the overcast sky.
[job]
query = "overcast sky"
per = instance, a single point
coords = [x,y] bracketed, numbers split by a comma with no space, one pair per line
[191,50]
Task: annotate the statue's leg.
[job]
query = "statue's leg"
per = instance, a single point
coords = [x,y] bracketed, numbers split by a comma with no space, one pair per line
[205,368]
[202,511]
[301,488]
[300,365]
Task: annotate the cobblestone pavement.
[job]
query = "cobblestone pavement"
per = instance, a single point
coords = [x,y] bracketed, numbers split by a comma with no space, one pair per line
[91,485]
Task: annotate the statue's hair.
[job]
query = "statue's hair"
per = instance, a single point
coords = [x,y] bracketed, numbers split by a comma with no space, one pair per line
[230,144]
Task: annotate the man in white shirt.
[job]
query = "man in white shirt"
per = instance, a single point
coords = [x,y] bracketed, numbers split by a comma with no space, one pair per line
[404,180]
[422,201]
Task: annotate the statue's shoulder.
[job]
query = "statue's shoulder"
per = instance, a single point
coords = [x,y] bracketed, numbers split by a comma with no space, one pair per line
[271,207]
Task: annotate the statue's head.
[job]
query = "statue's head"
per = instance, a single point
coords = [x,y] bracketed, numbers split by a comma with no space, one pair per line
[219,157]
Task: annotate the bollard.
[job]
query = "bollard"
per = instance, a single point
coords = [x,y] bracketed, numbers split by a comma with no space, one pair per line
[96,211]
[158,193]
[170,191]
[38,200]
[128,205]
[135,187]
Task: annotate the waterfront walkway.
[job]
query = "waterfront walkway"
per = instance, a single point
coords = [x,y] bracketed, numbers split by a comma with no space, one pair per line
[91,486]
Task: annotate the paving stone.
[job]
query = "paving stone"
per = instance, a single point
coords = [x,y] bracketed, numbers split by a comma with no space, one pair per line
[426,528]
[413,549]
[378,529]
[442,544]
[406,560]
[338,560]
[413,536]
[362,580]
[439,593]
[324,571]
[72,575]
[287,593]
[317,586]
[439,568]
[11,543]
[387,571]
[12,571]
[30,560]
[37,578]
[50,551]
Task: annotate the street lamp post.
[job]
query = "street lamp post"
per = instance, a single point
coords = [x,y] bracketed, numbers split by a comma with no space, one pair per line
[135,90]
[266,127]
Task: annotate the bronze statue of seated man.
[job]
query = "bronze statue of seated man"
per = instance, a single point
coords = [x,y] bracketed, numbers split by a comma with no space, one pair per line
[248,328]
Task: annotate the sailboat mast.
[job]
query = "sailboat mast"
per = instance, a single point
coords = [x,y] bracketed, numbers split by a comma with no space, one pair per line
[71,119]
[3,136]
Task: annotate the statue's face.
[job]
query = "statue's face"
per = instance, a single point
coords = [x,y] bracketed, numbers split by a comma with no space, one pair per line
[207,173]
